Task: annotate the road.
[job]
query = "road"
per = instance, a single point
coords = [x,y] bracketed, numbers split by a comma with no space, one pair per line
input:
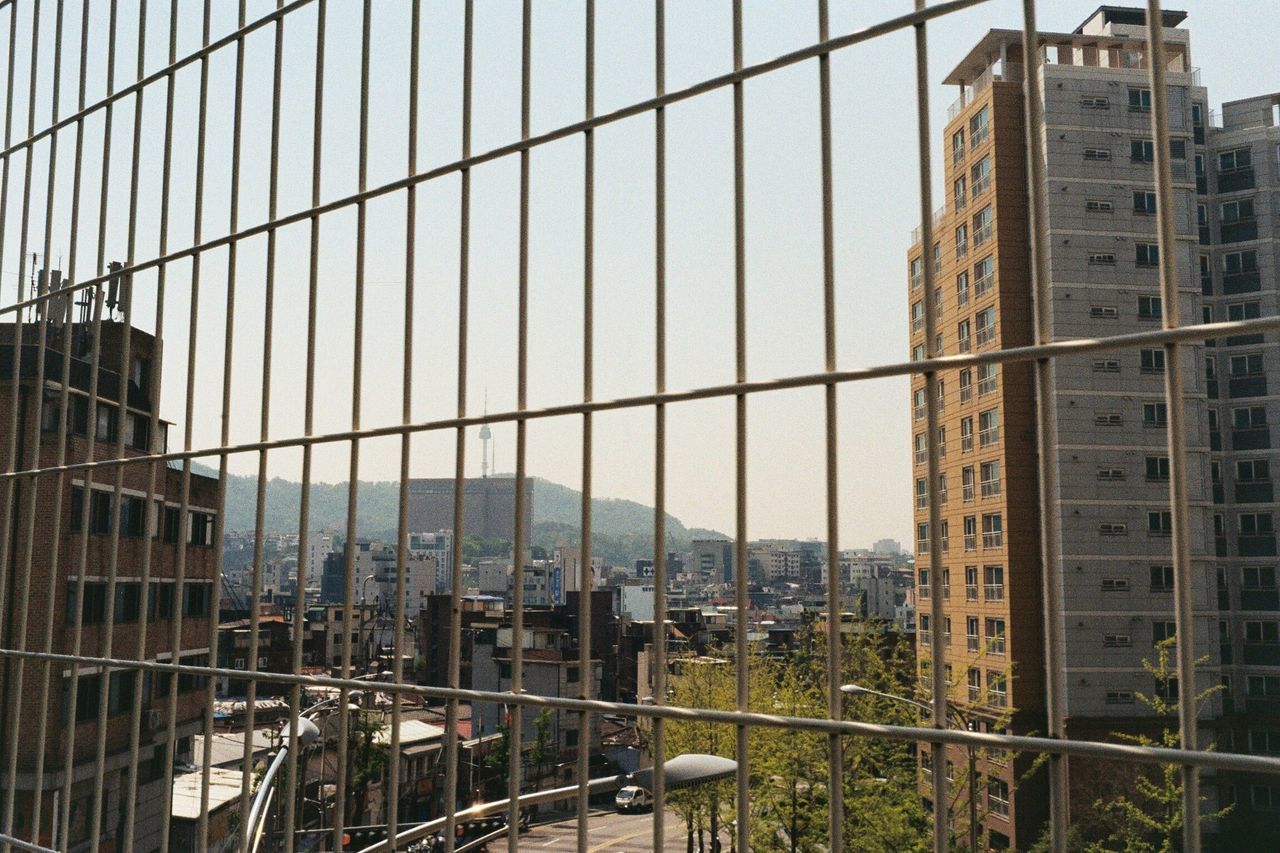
[609,833]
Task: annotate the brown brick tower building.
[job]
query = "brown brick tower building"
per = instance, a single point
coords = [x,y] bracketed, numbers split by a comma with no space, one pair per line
[58,535]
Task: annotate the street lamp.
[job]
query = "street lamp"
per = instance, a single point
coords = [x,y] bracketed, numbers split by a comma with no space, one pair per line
[859,690]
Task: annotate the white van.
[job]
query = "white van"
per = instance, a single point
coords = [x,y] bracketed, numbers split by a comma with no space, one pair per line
[633,798]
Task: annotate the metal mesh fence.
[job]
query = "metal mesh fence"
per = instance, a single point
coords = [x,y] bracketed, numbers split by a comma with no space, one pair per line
[43,185]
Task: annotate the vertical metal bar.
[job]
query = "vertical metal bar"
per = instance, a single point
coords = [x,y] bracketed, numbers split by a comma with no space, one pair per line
[1046,433]
[184,499]
[268,312]
[460,446]
[741,649]
[585,577]
[659,664]
[64,816]
[1178,497]
[153,420]
[835,625]
[353,481]
[941,820]
[297,762]
[522,375]
[406,415]
[27,519]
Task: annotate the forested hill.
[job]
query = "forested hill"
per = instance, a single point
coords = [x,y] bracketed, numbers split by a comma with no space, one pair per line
[622,530]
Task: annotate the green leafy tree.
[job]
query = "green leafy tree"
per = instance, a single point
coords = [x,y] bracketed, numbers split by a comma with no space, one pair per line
[545,751]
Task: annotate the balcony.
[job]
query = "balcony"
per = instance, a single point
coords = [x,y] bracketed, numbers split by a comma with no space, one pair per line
[1239,231]
[1252,438]
[1259,599]
[1257,545]
[1262,654]
[1254,492]
[1236,180]
[1247,386]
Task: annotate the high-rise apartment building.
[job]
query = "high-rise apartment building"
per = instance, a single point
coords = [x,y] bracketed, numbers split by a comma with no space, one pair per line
[1113,500]
[85,522]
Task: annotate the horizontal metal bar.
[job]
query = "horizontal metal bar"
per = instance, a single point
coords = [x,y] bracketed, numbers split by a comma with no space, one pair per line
[1055,349]
[467,163]
[855,728]
[154,77]
[24,845]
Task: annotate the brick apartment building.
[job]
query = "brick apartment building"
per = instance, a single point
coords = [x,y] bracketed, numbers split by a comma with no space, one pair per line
[54,575]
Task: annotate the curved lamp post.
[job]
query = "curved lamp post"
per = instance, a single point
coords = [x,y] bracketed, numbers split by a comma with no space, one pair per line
[859,690]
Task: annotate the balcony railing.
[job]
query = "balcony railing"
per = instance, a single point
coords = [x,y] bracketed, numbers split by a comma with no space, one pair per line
[981,184]
[993,592]
[981,234]
[983,284]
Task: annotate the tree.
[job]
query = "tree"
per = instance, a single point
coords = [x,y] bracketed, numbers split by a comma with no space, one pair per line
[545,750]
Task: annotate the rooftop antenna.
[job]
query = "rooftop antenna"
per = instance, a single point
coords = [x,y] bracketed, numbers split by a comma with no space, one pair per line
[486,435]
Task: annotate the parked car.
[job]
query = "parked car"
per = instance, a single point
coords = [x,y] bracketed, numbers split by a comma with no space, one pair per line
[633,798]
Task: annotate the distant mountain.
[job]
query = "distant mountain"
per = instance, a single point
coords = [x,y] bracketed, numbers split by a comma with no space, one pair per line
[622,530]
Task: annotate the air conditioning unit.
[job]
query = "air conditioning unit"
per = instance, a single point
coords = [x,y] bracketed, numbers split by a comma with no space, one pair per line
[153,720]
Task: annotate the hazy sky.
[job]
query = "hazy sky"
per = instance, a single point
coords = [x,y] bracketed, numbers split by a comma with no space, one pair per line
[875,182]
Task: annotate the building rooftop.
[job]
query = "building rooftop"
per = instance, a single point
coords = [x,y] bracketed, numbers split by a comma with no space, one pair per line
[224,788]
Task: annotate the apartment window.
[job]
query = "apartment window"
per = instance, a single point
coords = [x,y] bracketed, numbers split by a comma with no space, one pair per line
[107,423]
[133,512]
[1152,360]
[980,176]
[995,636]
[998,695]
[967,483]
[917,272]
[966,435]
[945,546]
[1257,577]
[1255,524]
[1104,312]
[1244,310]
[1144,202]
[195,599]
[966,382]
[988,427]
[937,257]
[1253,470]
[1111,528]
[1116,641]
[95,602]
[1210,368]
[1264,741]
[942,442]
[957,146]
[942,489]
[1160,523]
[982,224]
[1095,103]
[1236,211]
[962,241]
[1252,417]
[99,510]
[1119,697]
[1115,584]
[970,530]
[986,379]
[1239,158]
[1163,630]
[917,352]
[1157,467]
[985,324]
[1147,255]
[990,472]
[922,493]
[128,604]
[917,404]
[1261,632]
[962,289]
[962,336]
[974,675]
[1110,473]
[200,529]
[1199,161]
[1234,263]
[971,586]
[1097,154]
[993,530]
[1106,365]
[137,432]
[958,192]
[1155,414]
[1264,798]
[1246,365]
[921,449]
[1140,100]
[979,126]
[917,316]
[160,602]
[1263,686]
[1141,150]
[984,277]
[1105,258]
[1108,419]
[1161,578]
[922,538]
[993,583]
